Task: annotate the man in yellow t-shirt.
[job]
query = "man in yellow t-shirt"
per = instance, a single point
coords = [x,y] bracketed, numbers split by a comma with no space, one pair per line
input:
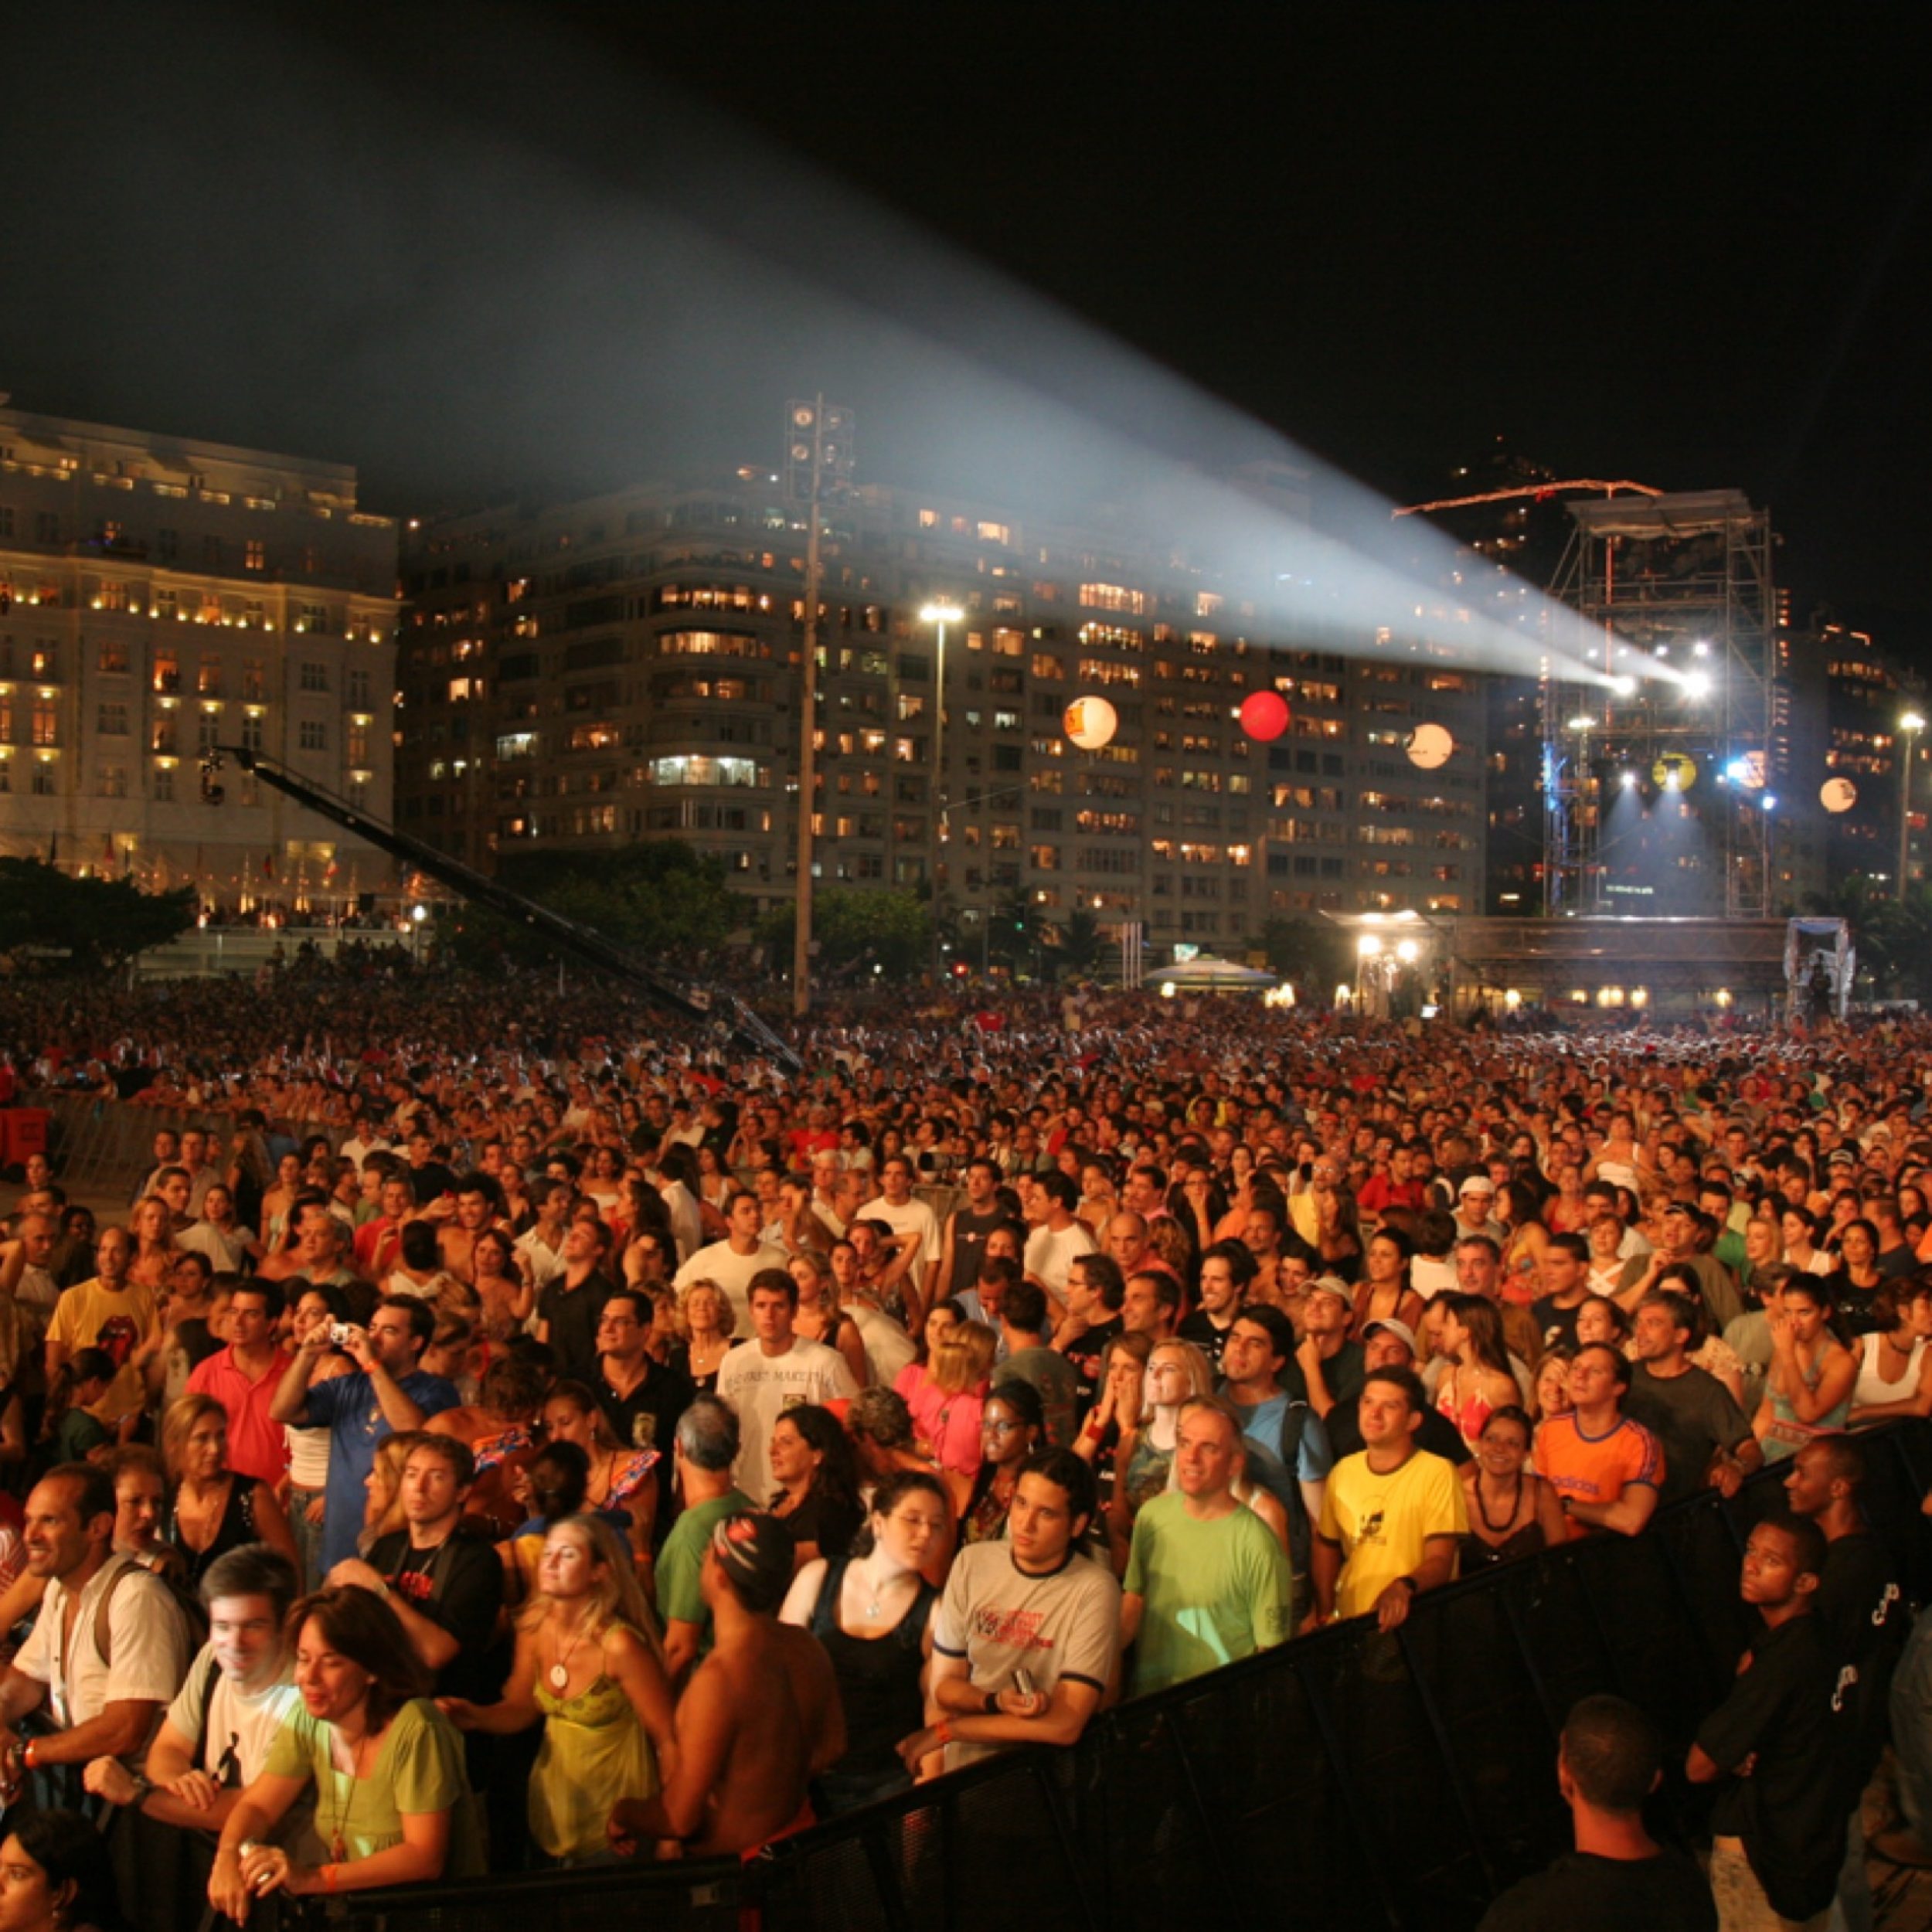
[1392,1515]
[109,1312]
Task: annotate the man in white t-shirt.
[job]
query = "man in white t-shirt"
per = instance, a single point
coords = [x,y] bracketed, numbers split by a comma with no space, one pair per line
[904,1213]
[1057,1239]
[240,1688]
[1029,1603]
[731,1262]
[104,1670]
[776,1371]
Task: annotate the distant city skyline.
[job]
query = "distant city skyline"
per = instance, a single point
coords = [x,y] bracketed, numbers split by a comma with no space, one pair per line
[570,250]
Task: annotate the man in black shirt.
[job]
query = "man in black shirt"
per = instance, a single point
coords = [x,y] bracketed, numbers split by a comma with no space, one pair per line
[568,1309]
[1707,1441]
[1608,1761]
[445,1582]
[1095,1290]
[1777,1742]
[1390,1344]
[1565,1288]
[1865,1620]
[967,1227]
[641,1399]
[1226,1269]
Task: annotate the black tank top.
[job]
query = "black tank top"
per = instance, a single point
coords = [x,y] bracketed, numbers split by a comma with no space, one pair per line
[878,1676]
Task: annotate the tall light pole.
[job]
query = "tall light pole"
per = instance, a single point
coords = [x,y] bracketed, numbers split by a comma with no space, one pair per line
[819,450]
[1910,725]
[940,612]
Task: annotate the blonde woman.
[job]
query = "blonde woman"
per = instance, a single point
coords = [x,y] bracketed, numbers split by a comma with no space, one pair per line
[383,1488]
[151,1227]
[211,1509]
[1176,1372]
[588,1664]
[947,1408]
[820,1317]
[705,1321]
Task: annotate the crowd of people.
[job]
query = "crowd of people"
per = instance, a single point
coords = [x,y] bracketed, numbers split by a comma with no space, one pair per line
[512,1392]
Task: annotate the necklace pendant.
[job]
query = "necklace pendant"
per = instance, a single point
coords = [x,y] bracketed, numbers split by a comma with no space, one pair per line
[560,1676]
[871,1611]
[338,1851]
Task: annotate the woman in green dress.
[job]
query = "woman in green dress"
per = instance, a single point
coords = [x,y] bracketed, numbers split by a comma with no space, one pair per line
[588,1664]
[392,1806]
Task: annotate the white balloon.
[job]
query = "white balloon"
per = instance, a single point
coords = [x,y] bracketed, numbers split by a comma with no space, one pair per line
[1091,723]
[1429,745]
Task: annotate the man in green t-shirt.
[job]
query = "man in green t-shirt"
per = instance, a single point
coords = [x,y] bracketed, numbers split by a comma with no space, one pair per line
[1206,1580]
[704,1448]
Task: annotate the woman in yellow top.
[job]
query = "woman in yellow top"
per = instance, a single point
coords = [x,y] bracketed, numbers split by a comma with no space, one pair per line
[587,1663]
[393,1805]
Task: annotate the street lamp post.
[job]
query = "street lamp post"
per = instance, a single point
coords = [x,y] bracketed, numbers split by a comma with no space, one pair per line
[1910,725]
[940,613]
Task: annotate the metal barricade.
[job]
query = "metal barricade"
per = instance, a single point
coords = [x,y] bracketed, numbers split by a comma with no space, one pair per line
[1348,1781]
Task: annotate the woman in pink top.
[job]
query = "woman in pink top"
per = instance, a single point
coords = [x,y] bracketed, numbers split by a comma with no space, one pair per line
[948,1395]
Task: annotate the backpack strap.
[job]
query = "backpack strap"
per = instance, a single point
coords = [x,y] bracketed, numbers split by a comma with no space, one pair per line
[103,1630]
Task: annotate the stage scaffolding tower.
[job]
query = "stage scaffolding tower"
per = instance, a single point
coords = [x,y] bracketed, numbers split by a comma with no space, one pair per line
[1685,582]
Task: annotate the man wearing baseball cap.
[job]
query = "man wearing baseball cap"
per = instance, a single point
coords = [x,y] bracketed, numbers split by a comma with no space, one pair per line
[1475,1203]
[1390,1344]
[1327,1368]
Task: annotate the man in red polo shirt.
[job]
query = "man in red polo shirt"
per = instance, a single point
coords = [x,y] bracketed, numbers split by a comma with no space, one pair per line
[243,1378]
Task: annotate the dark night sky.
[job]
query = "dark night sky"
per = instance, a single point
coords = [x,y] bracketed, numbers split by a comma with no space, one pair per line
[551,246]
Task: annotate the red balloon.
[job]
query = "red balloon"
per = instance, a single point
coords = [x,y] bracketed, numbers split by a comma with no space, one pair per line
[1264,715]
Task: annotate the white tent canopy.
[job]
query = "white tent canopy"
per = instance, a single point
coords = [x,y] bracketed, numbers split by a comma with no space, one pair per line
[1206,974]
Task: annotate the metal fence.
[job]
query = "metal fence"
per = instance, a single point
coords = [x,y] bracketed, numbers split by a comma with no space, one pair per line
[1345,1780]
[95,1142]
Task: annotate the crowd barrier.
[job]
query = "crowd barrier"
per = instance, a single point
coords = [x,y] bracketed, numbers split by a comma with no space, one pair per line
[1346,1781]
[95,1142]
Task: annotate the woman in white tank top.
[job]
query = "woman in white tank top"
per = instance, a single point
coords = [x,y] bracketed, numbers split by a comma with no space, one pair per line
[1895,1364]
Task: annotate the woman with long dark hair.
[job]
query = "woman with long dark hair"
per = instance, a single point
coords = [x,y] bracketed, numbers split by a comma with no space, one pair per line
[873,1612]
[817,1497]
[1012,1425]
[1479,1380]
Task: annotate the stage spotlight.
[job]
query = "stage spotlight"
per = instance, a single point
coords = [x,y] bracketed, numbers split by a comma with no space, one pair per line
[1697,684]
[1626,779]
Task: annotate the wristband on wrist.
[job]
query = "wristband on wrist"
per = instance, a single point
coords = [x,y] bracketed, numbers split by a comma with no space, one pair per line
[30,1754]
[328,1878]
[992,1703]
[942,1731]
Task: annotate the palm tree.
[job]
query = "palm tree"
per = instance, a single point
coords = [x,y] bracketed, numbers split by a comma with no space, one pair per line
[1076,949]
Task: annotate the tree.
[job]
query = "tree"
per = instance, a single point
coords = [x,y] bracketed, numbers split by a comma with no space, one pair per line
[1895,941]
[661,900]
[96,922]
[1310,952]
[855,930]
[1077,948]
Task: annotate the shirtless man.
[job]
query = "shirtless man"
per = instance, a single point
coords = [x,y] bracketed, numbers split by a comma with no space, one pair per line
[761,1714]
[456,1238]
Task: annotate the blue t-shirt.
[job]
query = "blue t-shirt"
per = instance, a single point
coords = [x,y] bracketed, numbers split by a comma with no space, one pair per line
[1261,1431]
[348,1408]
